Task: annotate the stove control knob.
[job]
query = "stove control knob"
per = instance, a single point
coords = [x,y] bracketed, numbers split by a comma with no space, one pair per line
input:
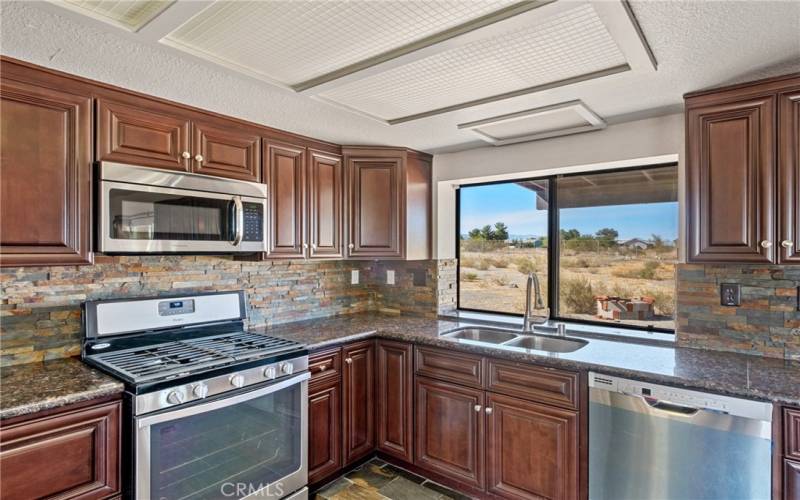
[287,368]
[269,372]
[175,398]
[237,380]
[200,391]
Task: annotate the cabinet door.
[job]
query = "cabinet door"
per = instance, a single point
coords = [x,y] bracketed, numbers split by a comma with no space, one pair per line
[324,430]
[325,204]
[284,174]
[789,177]
[791,480]
[225,151]
[138,136]
[450,431]
[395,399]
[45,176]
[359,399]
[71,455]
[375,221]
[532,449]
[731,179]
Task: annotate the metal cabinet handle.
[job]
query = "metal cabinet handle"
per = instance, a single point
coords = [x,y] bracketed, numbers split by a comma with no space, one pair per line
[349,361]
[199,158]
[787,243]
[314,246]
[766,244]
[322,368]
[305,245]
[478,408]
[488,411]
[351,246]
[186,155]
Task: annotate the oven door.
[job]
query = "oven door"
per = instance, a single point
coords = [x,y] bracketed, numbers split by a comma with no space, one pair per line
[250,444]
[137,218]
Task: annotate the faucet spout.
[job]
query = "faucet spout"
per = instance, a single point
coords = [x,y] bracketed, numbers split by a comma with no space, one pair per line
[533,291]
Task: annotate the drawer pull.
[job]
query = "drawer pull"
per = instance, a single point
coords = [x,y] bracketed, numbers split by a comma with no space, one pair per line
[322,368]
[787,243]
[488,411]
[766,244]
[349,361]
[477,408]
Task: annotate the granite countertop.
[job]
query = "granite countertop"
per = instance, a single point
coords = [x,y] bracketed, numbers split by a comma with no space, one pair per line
[715,371]
[34,387]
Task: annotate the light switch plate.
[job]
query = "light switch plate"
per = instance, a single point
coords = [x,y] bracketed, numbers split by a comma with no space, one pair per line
[354,277]
[390,277]
[730,294]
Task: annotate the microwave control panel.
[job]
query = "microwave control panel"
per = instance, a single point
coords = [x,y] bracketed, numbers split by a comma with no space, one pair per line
[253,222]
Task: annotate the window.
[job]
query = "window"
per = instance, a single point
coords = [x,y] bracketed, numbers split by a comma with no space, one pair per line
[603,244]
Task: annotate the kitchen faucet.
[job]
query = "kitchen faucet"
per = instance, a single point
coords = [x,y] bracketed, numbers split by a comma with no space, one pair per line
[530,319]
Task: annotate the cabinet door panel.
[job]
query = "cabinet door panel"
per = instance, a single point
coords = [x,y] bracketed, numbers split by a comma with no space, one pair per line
[791,480]
[789,177]
[450,431]
[324,430]
[284,174]
[226,152]
[395,399]
[375,207]
[72,455]
[731,175]
[325,205]
[45,176]
[359,400]
[138,136]
[532,450]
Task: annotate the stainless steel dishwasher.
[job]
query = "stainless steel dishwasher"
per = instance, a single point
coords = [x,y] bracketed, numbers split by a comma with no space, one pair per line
[649,441]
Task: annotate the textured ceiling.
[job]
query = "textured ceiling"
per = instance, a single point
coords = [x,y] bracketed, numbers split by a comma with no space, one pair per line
[697,45]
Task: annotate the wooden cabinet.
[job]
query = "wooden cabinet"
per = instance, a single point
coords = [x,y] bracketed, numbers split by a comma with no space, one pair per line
[791,480]
[395,390]
[465,369]
[324,429]
[284,173]
[791,433]
[325,185]
[358,388]
[74,454]
[737,160]
[149,134]
[450,431]
[789,176]
[388,203]
[45,175]
[531,449]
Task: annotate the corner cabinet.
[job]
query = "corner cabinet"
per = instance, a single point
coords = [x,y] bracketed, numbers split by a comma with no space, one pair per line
[395,393]
[358,389]
[388,203]
[742,169]
[45,175]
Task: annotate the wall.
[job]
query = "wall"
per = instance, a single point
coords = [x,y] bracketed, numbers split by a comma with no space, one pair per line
[40,308]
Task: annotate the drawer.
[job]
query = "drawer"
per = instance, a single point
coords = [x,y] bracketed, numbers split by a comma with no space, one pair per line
[451,366]
[325,365]
[545,385]
[791,433]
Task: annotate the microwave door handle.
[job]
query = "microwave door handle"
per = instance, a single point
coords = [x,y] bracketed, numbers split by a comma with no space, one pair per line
[238,214]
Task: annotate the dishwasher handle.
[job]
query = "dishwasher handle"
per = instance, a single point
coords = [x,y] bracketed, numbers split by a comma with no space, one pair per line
[670,407]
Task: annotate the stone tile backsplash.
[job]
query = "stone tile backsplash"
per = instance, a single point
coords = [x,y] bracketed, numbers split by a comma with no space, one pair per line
[40,308]
[766,323]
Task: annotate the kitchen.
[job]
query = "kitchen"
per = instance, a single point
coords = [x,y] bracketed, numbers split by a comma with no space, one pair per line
[434,249]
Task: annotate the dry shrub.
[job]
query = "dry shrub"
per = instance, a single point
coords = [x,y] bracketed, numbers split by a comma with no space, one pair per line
[525,265]
[469,277]
[468,262]
[577,295]
[664,302]
[498,262]
[482,264]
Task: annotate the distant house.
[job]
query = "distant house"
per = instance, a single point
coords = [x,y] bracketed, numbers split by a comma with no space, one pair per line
[636,243]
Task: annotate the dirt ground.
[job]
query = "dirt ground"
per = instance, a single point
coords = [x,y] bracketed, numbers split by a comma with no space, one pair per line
[495,280]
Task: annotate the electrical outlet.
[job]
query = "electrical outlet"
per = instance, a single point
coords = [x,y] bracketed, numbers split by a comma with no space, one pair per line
[390,277]
[730,294]
[354,277]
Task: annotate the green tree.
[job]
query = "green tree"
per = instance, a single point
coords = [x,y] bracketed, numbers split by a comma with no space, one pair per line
[475,234]
[607,233]
[570,234]
[500,231]
[487,233]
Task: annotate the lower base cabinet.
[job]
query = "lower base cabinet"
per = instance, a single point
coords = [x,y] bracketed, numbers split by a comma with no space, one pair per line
[74,454]
[791,480]
[324,430]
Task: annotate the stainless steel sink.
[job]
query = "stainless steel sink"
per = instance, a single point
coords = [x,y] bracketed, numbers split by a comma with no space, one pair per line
[488,335]
[549,344]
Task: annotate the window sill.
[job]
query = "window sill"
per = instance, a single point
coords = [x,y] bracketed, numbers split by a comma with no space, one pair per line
[575,329]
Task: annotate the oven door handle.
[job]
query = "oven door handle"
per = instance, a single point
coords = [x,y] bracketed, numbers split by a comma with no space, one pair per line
[238,215]
[221,403]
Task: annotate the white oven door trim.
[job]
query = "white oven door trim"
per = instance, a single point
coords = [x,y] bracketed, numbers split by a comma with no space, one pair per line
[290,483]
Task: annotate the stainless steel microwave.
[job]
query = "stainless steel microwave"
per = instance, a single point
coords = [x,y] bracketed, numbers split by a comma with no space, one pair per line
[148,210]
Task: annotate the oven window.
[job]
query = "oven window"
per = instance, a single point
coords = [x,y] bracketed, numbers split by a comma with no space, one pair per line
[229,452]
[137,215]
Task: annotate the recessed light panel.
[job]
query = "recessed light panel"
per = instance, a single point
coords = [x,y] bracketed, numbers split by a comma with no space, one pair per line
[127,14]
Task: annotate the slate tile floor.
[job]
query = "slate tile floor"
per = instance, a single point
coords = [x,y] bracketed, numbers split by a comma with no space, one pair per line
[377,480]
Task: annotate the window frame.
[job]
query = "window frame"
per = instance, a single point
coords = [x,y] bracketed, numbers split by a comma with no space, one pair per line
[553,247]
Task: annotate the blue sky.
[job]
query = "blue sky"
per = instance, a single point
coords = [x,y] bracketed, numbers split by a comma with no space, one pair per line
[516,206]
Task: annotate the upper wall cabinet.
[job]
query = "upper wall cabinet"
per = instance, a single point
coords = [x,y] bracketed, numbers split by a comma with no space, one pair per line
[284,173]
[736,161]
[388,203]
[325,186]
[45,175]
[150,134]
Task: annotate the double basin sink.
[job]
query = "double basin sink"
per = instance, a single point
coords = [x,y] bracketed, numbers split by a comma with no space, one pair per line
[509,338]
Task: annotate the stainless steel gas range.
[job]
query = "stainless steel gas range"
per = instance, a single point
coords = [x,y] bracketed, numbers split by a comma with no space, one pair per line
[212,411]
